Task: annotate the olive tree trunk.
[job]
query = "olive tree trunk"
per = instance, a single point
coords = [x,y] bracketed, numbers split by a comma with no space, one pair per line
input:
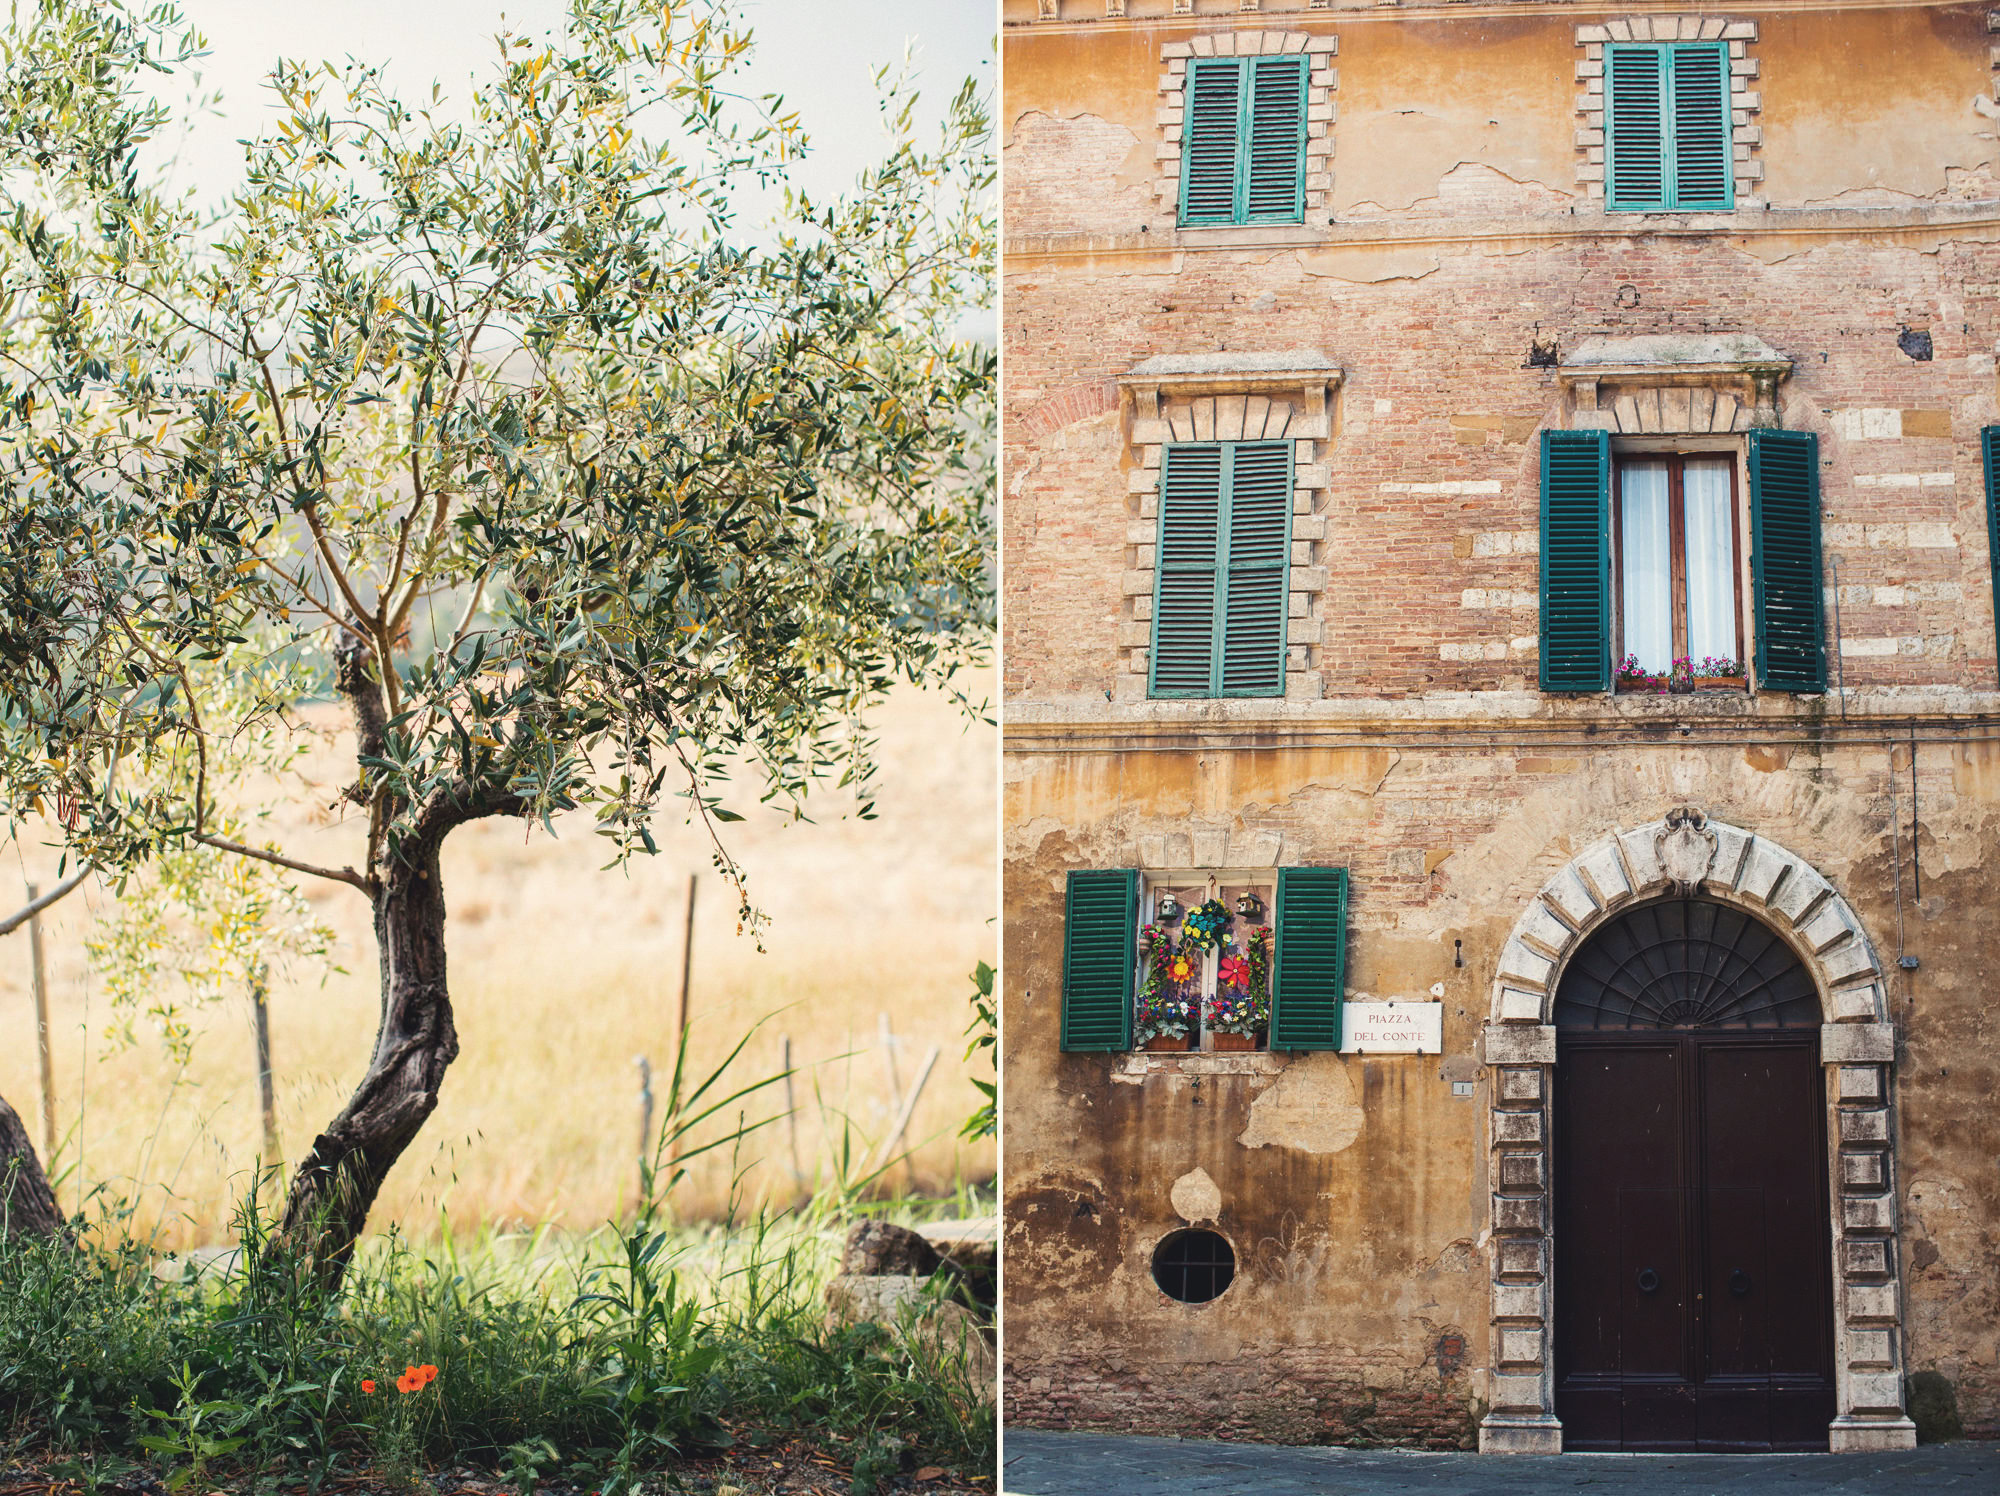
[27,1204]
[337,1182]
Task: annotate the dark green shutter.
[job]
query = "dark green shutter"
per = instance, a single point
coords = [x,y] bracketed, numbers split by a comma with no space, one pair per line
[1702,142]
[1100,934]
[1210,129]
[1784,550]
[1635,124]
[1259,502]
[1225,541]
[1274,184]
[1185,601]
[1309,970]
[1668,141]
[1576,561]
[1989,451]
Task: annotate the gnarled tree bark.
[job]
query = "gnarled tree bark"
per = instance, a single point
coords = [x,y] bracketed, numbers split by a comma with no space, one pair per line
[27,1204]
[336,1184]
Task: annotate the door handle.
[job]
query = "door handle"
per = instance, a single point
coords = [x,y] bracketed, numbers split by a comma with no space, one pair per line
[1649,1281]
[1739,1282]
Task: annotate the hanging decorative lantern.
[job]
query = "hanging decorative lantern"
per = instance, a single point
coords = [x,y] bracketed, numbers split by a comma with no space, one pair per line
[1168,909]
[1250,907]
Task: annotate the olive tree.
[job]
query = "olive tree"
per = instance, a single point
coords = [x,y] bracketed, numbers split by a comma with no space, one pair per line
[487,417]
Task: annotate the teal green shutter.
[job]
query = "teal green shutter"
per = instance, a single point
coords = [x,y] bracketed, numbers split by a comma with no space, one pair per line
[1989,451]
[1259,498]
[1243,140]
[1100,935]
[1225,541]
[1210,129]
[1635,128]
[1784,549]
[1668,139]
[1187,597]
[1576,561]
[1309,970]
[1274,187]
[1702,143]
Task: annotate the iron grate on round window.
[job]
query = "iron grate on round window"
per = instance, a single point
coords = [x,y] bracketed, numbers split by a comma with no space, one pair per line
[1194,1266]
[1686,964]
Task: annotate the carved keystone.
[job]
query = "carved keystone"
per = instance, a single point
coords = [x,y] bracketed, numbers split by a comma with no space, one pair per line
[1686,848]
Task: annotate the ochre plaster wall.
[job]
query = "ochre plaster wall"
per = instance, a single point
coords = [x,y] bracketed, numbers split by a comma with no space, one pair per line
[1354,1189]
[1418,101]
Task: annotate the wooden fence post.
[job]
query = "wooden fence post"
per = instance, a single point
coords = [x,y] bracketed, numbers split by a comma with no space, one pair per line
[41,987]
[681,1017]
[267,1101]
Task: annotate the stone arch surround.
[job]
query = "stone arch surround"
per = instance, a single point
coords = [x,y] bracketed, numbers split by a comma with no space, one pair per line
[1682,853]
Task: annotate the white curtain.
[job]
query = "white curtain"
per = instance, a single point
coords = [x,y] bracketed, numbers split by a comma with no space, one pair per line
[1711,561]
[1646,574]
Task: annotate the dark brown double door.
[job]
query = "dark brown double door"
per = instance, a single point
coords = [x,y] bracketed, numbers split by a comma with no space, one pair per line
[1693,1300]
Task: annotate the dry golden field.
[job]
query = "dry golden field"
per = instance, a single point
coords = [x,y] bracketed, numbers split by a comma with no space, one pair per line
[562,976]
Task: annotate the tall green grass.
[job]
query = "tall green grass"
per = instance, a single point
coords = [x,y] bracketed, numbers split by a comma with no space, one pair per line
[599,1357]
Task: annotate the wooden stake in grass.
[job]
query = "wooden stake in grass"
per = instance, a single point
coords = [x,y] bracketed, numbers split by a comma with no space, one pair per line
[681,1008]
[903,1114]
[41,985]
[645,1123]
[791,1109]
[260,1007]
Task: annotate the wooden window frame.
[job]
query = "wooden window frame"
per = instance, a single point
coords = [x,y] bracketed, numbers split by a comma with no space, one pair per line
[1677,551]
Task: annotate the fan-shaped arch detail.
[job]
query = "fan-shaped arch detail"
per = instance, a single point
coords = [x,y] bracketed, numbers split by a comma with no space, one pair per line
[1689,963]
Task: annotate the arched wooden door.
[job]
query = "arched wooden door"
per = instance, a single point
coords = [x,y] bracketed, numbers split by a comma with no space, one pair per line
[1693,1288]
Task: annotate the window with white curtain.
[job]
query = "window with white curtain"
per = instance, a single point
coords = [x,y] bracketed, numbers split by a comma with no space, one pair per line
[1677,561]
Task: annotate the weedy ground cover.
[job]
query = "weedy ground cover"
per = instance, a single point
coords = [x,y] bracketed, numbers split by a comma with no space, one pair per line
[599,1360]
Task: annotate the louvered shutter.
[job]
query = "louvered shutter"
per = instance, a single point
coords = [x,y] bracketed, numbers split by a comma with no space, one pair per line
[1784,545]
[1185,601]
[1635,117]
[1259,501]
[1309,968]
[1211,127]
[1275,179]
[1989,450]
[1100,933]
[1576,561]
[1700,143]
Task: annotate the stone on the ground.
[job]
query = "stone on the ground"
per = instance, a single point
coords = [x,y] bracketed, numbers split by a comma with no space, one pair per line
[877,1247]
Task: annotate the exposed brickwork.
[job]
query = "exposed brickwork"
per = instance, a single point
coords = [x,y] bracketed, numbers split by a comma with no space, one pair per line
[1424,475]
[1296,1397]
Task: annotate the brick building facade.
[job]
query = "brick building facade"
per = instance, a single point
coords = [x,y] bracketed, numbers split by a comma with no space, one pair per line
[1564,336]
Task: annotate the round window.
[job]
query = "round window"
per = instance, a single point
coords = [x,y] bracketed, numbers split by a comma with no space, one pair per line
[1194,1266]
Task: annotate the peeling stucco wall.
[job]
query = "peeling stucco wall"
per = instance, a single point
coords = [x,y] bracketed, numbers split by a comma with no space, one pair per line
[1353,1188]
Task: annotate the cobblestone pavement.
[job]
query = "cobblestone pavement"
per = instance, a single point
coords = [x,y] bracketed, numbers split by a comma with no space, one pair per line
[1038,1463]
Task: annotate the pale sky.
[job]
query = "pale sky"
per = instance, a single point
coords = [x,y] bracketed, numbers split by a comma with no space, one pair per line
[820,54]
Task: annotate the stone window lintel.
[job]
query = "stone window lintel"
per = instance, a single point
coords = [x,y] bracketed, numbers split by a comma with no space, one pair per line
[1632,385]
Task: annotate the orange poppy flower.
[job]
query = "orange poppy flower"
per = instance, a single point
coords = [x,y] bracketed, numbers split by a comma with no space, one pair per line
[430,1373]
[367,1385]
[408,1381]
